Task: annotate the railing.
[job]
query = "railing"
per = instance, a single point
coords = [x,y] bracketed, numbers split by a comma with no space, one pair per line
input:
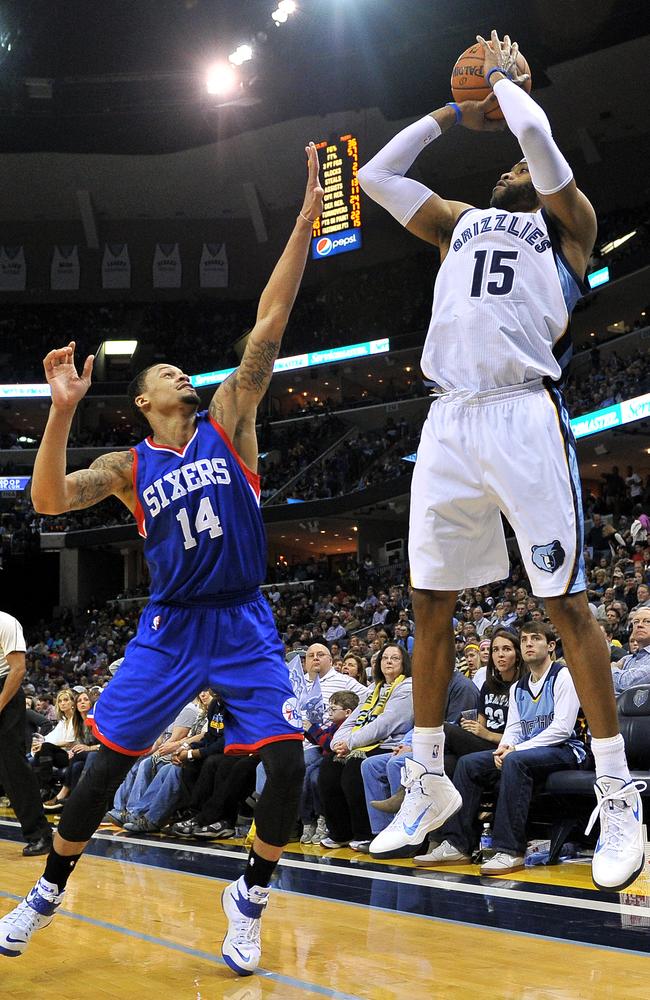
[282,491]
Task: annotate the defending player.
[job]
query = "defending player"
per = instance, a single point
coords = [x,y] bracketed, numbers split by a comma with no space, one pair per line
[194,492]
[499,439]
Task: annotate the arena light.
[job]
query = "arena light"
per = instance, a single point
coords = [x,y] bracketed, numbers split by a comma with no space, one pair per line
[280,16]
[600,277]
[613,244]
[120,348]
[288,6]
[241,55]
[221,79]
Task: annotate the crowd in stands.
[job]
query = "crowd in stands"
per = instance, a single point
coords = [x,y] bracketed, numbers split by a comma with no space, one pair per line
[348,624]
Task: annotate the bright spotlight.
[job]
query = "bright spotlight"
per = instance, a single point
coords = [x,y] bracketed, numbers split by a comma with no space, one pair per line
[288,6]
[241,55]
[279,16]
[221,79]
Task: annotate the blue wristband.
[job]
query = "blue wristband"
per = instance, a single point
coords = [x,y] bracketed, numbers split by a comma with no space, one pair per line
[457,111]
[495,69]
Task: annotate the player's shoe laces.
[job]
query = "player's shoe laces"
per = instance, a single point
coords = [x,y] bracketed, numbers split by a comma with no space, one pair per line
[242,947]
[430,800]
[35,912]
[620,852]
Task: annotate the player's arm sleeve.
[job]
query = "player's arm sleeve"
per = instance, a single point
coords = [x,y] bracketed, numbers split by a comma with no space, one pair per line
[549,171]
[383,180]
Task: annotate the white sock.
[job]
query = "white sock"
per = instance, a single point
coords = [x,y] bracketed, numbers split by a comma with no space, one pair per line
[429,747]
[609,755]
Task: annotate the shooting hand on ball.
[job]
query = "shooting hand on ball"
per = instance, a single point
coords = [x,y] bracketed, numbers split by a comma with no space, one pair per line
[502,56]
[474,115]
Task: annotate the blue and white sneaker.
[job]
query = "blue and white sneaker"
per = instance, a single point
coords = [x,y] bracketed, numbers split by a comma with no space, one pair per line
[34,913]
[430,800]
[242,947]
[620,852]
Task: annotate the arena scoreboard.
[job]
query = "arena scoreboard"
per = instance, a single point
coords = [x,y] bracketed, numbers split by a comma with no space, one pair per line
[338,229]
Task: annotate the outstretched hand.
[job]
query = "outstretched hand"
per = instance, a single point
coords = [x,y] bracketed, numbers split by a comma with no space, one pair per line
[502,56]
[67,386]
[312,206]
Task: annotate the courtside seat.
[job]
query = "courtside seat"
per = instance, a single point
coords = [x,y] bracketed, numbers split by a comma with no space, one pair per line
[572,792]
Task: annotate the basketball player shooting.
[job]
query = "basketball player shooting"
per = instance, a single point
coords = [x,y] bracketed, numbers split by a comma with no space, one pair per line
[498,439]
[194,492]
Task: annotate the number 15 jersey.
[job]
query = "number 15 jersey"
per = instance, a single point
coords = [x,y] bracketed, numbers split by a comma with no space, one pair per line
[502,301]
[198,512]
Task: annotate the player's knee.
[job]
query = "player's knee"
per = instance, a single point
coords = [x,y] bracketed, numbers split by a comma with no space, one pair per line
[434,608]
[284,763]
[108,771]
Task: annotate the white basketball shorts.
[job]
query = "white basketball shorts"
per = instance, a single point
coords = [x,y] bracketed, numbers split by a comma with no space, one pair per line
[507,451]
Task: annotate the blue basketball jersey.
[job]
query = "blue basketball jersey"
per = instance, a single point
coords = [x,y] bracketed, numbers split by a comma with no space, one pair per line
[198,512]
[537,713]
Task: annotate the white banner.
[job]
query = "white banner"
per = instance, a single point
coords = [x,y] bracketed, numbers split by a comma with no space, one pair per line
[213,269]
[13,270]
[116,266]
[167,271]
[64,270]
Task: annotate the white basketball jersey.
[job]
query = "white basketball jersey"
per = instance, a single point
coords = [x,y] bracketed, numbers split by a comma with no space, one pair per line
[501,304]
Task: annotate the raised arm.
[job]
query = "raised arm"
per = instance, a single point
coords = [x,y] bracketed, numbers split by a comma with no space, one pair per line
[550,173]
[415,206]
[54,492]
[234,404]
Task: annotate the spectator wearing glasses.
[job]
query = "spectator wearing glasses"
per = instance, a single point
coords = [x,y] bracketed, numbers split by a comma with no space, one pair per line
[634,669]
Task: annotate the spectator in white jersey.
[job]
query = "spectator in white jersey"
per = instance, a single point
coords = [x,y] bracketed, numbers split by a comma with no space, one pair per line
[499,439]
[541,736]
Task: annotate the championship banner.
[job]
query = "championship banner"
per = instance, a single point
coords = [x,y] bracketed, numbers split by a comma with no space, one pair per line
[167,272]
[116,266]
[213,269]
[13,270]
[64,270]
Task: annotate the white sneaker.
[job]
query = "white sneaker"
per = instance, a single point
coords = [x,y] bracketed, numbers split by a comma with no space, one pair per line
[331,845]
[441,854]
[242,947]
[502,864]
[321,830]
[430,800]
[361,846]
[35,912]
[308,832]
[620,852]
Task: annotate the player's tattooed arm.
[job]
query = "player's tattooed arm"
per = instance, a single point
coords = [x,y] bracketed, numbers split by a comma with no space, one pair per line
[109,475]
[256,367]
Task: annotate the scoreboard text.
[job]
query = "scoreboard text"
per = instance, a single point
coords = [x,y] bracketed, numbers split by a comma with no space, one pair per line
[339,227]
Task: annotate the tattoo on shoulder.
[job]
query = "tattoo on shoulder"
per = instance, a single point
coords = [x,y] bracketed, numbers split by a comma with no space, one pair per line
[107,475]
[217,408]
[256,367]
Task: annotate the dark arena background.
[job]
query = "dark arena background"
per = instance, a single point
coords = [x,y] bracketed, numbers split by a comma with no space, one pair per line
[151,169]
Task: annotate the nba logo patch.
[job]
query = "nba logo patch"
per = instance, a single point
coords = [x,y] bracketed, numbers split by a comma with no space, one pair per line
[291,713]
[156,623]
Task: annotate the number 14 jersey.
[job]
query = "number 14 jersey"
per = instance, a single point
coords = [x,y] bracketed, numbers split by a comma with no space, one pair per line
[502,301]
[198,512]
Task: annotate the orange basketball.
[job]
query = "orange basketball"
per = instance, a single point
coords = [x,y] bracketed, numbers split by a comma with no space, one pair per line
[468,82]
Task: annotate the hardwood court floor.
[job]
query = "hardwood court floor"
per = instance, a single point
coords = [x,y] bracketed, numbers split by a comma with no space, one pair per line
[142,920]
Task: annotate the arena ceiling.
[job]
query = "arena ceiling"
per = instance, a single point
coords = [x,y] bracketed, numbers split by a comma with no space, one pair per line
[110,98]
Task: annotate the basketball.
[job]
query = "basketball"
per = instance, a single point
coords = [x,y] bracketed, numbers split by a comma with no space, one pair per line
[468,82]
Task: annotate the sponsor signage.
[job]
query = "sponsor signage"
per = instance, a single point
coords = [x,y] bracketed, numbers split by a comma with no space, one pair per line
[338,229]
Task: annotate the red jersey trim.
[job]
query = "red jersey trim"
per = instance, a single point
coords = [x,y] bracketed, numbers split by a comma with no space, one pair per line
[252,477]
[234,748]
[138,513]
[167,447]
[114,746]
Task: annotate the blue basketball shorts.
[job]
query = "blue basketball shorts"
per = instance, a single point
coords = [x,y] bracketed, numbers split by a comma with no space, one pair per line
[179,651]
